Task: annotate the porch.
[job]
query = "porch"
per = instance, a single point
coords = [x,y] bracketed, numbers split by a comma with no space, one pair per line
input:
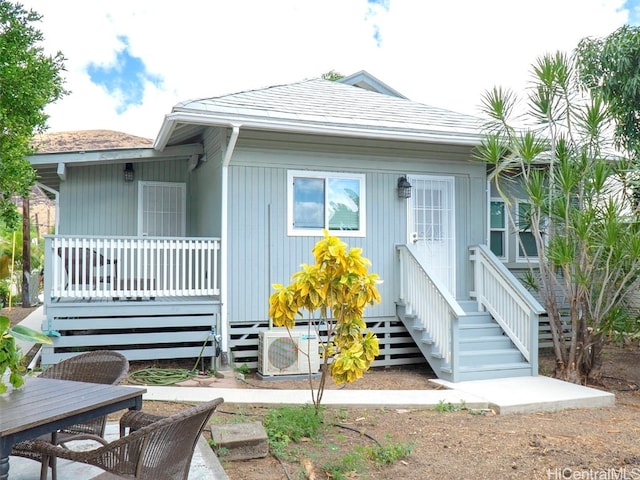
[147,297]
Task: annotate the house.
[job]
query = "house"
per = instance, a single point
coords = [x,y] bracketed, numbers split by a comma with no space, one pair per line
[171,251]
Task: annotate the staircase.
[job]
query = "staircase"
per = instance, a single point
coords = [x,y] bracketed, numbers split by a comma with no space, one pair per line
[482,351]
[492,335]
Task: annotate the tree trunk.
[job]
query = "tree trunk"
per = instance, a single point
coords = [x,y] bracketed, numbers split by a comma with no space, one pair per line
[26,254]
[570,373]
[593,374]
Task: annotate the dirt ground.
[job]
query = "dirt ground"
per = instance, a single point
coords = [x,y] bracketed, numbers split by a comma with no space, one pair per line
[577,444]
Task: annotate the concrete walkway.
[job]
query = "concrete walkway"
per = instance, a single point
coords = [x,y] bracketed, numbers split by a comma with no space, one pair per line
[504,396]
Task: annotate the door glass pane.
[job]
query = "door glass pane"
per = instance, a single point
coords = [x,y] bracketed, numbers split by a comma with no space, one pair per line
[344,204]
[308,203]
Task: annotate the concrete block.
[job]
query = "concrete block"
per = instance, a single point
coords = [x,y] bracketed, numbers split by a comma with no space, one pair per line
[240,441]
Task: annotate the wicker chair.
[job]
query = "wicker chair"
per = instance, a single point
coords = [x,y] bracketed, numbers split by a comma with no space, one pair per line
[101,366]
[161,450]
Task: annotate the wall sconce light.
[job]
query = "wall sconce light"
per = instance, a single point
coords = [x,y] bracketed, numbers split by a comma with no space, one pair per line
[128,172]
[404,188]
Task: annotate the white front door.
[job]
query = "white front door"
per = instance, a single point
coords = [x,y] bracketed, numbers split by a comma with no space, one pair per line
[431,226]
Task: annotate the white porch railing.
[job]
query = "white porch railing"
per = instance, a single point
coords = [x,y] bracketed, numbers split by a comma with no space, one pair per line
[498,292]
[130,267]
[433,305]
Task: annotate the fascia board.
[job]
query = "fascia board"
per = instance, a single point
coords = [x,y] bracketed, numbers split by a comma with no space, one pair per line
[208,119]
[115,156]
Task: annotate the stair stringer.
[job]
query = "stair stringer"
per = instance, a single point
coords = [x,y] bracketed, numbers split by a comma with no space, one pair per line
[423,341]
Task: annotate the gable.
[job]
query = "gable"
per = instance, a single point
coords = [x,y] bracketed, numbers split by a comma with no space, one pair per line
[367,81]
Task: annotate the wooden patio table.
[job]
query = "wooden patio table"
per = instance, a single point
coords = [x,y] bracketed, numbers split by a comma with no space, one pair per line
[44,405]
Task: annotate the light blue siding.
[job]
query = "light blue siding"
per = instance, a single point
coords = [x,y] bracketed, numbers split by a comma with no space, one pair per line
[259,251]
[204,188]
[96,200]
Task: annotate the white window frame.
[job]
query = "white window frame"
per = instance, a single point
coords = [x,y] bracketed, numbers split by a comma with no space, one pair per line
[183,198]
[292,231]
[519,230]
[504,229]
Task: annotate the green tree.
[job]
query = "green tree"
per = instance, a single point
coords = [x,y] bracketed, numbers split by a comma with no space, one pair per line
[29,81]
[588,247]
[332,75]
[337,288]
[611,67]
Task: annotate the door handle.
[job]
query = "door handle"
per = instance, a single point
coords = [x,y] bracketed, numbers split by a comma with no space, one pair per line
[414,237]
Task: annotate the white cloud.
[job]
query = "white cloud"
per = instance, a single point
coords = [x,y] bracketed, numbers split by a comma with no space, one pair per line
[440,53]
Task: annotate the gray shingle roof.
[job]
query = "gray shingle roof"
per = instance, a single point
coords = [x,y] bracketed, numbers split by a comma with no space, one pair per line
[323,104]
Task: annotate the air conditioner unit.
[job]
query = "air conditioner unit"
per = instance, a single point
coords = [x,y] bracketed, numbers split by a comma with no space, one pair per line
[282,354]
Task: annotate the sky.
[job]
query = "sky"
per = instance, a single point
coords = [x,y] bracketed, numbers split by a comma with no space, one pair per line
[129,62]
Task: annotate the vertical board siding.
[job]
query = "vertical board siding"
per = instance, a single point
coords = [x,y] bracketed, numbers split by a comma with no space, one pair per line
[262,254]
[97,201]
[259,250]
[204,189]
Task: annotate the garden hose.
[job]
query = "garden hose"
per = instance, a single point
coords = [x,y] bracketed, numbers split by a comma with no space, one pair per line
[160,376]
[166,376]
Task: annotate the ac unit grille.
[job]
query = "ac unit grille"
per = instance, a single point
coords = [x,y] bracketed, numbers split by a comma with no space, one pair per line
[281,353]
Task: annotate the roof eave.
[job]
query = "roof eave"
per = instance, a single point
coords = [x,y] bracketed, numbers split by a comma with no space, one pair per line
[258,123]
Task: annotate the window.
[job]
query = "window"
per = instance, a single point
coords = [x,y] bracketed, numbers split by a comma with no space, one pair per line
[526,241]
[161,209]
[319,200]
[498,229]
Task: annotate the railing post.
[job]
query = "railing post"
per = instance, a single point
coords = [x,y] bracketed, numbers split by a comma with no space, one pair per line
[478,286]
[534,322]
[402,275]
[455,351]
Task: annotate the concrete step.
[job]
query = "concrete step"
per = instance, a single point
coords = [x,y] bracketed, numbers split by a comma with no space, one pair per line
[240,441]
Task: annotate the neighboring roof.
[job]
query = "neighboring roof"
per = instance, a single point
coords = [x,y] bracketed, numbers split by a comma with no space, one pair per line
[87,140]
[321,107]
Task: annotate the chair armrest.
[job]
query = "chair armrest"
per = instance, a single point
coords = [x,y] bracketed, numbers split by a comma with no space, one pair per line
[136,419]
[63,440]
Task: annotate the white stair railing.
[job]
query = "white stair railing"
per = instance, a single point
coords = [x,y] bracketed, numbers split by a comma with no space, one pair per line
[432,305]
[500,293]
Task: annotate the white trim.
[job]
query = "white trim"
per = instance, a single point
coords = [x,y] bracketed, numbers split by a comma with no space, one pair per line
[522,258]
[504,230]
[205,119]
[292,231]
[224,234]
